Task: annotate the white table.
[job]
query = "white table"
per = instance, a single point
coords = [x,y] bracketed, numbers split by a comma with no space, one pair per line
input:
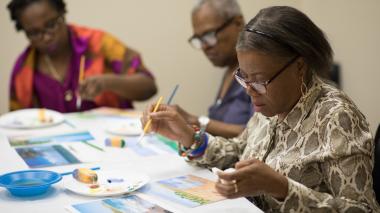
[156,167]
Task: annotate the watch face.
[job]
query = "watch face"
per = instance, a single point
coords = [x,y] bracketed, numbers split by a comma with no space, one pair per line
[203,120]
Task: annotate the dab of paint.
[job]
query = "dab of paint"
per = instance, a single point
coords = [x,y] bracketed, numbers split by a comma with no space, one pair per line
[85,175]
[115,180]
[115,142]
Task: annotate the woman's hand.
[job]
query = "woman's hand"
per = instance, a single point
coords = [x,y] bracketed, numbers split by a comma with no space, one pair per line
[169,123]
[92,87]
[189,118]
[252,178]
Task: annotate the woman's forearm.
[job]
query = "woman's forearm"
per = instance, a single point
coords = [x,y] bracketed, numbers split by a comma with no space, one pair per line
[135,87]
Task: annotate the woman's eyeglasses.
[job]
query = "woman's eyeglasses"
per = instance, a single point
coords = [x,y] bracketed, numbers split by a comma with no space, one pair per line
[50,27]
[260,87]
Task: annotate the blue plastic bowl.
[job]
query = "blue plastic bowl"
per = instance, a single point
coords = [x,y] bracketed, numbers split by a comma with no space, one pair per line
[29,182]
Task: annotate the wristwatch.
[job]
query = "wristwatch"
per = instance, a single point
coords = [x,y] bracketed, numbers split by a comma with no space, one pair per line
[203,121]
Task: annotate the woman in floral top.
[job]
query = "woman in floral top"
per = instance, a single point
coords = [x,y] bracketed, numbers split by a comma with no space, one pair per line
[308,148]
[47,72]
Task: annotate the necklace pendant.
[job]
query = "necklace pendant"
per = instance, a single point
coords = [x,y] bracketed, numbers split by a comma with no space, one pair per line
[68,95]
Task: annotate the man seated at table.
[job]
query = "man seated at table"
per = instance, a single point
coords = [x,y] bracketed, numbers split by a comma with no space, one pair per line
[47,73]
[216,27]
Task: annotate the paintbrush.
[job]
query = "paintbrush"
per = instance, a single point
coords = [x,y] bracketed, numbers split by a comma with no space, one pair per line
[155,109]
[172,95]
[80,80]
[147,125]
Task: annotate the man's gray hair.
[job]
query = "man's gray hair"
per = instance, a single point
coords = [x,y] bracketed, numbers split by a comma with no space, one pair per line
[226,8]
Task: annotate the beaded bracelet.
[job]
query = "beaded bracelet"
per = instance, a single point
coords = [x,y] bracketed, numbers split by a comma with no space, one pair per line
[198,148]
[202,147]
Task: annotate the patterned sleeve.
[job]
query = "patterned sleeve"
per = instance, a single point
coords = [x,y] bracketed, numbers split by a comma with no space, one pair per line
[123,60]
[135,64]
[347,170]
[222,152]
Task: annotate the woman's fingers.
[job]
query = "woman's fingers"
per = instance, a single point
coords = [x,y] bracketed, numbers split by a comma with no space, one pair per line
[164,115]
[229,190]
[90,88]
[228,176]
[145,116]
[225,188]
[245,163]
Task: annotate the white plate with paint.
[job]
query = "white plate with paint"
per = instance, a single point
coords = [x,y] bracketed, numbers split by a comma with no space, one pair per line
[125,128]
[31,118]
[110,183]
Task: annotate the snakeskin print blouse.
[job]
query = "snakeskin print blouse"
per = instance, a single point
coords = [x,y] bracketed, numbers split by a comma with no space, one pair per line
[323,146]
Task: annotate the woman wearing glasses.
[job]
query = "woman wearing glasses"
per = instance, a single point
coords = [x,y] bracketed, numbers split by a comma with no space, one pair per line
[216,27]
[47,74]
[307,148]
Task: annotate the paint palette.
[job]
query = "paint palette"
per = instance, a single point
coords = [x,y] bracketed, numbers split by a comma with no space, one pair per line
[110,183]
[31,118]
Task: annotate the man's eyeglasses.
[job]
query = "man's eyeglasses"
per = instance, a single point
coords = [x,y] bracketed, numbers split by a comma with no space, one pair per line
[50,27]
[209,37]
[260,87]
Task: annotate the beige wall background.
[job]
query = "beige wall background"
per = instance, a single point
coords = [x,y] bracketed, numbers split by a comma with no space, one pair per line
[160,29]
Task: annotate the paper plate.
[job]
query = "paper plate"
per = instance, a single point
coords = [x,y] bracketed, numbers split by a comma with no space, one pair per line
[123,182]
[31,118]
[125,129]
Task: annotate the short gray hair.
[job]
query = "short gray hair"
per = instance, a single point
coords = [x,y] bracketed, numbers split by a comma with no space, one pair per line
[225,8]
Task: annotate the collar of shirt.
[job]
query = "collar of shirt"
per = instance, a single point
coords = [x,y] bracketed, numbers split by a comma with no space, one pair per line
[79,44]
[303,107]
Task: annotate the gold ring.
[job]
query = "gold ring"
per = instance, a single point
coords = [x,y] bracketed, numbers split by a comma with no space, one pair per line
[236,188]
